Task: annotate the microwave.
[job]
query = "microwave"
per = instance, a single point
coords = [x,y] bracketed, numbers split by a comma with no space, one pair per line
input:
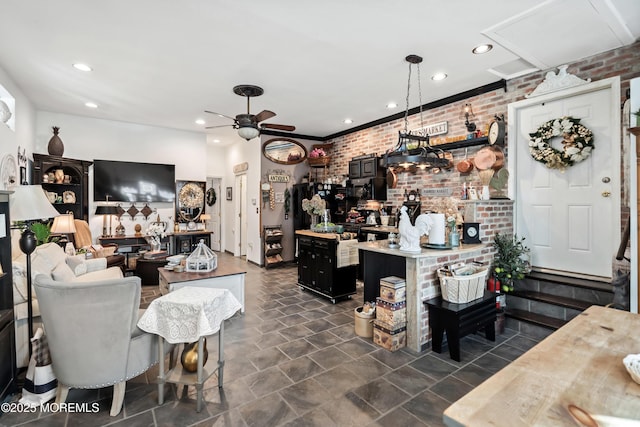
[367,188]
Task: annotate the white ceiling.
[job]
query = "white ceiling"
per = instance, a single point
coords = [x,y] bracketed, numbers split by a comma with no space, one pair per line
[163,62]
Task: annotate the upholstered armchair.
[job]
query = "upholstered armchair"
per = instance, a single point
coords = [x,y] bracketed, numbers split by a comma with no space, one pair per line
[83,239]
[92,334]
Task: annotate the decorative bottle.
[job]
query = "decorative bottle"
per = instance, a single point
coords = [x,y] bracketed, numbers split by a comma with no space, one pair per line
[55,147]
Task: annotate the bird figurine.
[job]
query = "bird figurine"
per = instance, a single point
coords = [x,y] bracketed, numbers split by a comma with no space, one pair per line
[410,234]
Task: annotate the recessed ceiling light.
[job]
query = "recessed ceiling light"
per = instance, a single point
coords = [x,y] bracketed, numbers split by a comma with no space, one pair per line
[200,122]
[348,121]
[392,105]
[91,104]
[82,67]
[438,76]
[217,141]
[483,48]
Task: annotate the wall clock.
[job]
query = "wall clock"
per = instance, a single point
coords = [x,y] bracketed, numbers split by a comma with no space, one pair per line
[8,172]
[471,232]
[496,131]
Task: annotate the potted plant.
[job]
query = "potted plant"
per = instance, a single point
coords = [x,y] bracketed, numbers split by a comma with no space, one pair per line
[511,261]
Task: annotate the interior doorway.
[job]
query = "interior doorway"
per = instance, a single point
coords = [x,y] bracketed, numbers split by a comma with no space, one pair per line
[213,224]
[240,213]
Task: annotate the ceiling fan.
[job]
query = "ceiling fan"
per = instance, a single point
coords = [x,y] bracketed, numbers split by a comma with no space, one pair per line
[247,124]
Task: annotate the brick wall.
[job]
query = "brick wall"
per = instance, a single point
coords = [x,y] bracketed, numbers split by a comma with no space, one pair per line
[623,62]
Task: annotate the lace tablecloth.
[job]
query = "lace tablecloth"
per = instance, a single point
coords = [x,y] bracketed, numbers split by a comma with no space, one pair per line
[189,313]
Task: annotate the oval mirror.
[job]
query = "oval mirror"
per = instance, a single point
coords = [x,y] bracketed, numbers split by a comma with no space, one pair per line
[285,151]
[190,200]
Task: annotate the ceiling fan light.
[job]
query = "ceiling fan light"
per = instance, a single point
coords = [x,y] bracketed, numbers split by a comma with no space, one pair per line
[248,132]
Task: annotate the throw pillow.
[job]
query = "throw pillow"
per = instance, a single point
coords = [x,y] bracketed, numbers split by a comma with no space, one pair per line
[19,283]
[77,264]
[63,273]
[40,382]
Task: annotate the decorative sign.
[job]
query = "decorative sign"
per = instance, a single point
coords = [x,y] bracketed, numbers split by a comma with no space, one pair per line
[437,192]
[433,130]
[240,167]
[278,178]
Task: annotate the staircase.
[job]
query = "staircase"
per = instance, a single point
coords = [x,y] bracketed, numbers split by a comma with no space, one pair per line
[544,302]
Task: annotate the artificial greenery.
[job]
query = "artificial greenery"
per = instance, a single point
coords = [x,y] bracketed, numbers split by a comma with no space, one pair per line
[509,263]
[42,231]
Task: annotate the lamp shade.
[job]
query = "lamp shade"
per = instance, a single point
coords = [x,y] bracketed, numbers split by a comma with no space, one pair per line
[29,202]
[63,224]
[106,210]
[204,217]
[248,132]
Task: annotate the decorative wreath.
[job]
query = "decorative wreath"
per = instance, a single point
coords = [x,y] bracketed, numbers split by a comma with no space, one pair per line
[211,197]
[577,143]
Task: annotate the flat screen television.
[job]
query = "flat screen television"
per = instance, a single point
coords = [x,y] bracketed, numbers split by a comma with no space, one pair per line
[117,181]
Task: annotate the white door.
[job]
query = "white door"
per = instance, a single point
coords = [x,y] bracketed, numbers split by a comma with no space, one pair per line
[570,219]
[240,212]
[213,224]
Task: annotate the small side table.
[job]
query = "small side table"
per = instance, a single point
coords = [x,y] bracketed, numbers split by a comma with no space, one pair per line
[459,320]
[186,315]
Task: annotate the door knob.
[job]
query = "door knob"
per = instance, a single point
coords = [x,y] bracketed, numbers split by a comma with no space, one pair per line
[606,193]
[606,180]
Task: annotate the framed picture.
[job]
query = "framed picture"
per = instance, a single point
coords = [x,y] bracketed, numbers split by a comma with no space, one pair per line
[229,193]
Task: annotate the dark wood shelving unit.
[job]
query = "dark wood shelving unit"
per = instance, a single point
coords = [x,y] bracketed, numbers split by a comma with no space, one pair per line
[272,245]
[77,170]
[8,373]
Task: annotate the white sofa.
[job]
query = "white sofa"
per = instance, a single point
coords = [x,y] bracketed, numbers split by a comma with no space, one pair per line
[48,259]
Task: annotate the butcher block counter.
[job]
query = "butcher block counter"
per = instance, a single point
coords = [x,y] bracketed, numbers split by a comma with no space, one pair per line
[578,369]
[419,270]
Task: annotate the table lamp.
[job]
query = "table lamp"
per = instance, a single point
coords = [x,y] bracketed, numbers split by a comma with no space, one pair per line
[204,217]
[29,203]
[107,211]
[63,224]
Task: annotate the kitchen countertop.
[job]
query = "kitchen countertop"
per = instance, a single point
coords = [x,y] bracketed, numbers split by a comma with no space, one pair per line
[382,246]
[327,236]
[379,229]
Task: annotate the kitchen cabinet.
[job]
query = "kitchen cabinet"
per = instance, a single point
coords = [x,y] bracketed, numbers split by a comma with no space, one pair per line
[7,327]
[71,195]
[318,269]
[365,167]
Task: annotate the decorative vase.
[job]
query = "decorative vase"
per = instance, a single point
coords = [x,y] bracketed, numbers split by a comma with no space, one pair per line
[154,243]
[59,176]
[454,238]
[55,147]
[314,221]
[189,358]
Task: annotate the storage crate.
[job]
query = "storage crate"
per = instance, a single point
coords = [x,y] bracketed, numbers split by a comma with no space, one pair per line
[393,289]
[462,289]
[391,313]
[392,340]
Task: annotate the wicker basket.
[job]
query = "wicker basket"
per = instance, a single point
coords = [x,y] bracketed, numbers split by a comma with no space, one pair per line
[319,162]
[461,289]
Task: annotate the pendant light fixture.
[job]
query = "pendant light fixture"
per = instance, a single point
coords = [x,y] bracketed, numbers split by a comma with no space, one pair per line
[413,150]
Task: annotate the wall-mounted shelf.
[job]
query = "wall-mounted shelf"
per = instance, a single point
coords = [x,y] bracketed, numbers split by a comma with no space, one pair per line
[461,144]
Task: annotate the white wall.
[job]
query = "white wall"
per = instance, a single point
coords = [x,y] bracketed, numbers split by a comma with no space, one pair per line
[23,136]
[88,139]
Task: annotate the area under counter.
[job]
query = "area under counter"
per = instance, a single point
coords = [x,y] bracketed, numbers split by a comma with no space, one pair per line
[419,271]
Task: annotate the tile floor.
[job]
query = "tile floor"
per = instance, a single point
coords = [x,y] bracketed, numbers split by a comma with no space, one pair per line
[293,359]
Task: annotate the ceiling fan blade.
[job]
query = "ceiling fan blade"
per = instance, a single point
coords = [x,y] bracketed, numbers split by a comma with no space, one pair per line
[220,126]
[288,128]
[264,115]
[221,115]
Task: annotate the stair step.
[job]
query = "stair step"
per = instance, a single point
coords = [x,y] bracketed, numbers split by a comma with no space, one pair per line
[572,281]
[553,299]
[536,319]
